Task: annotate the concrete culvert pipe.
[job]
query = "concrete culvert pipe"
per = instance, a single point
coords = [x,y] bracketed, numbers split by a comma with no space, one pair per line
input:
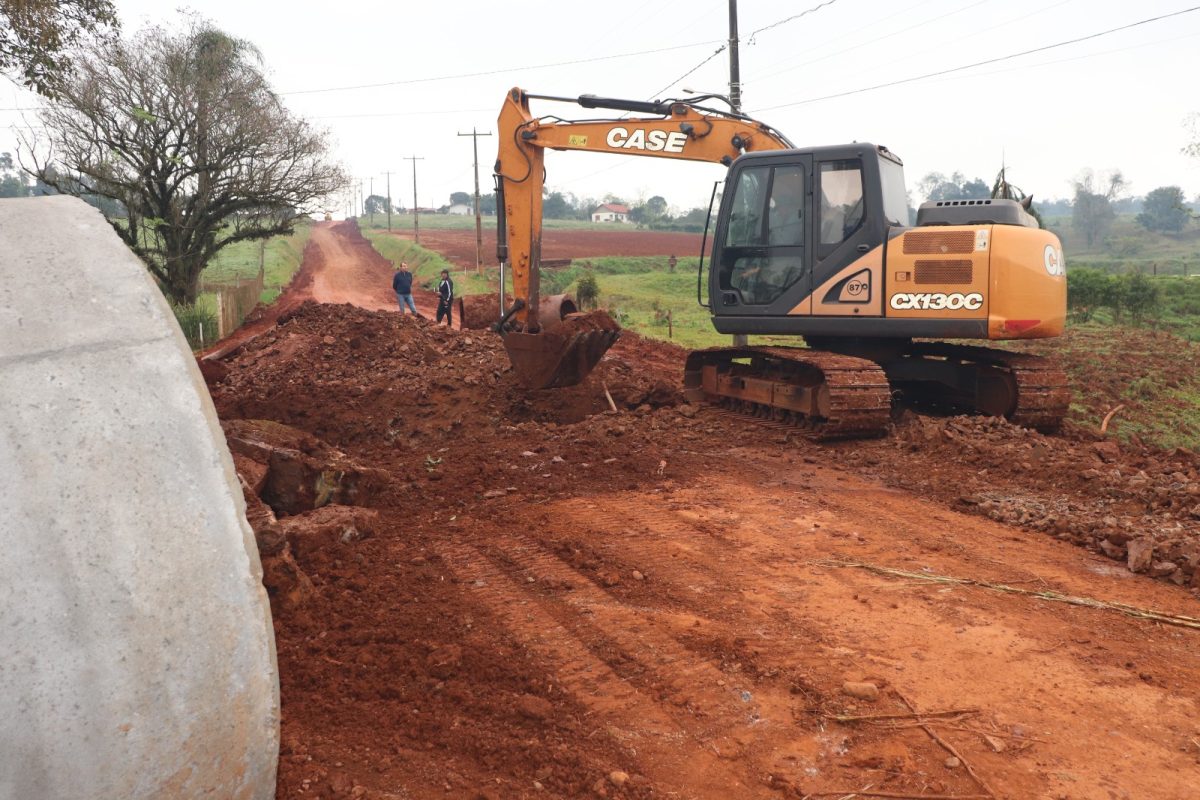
[138,654]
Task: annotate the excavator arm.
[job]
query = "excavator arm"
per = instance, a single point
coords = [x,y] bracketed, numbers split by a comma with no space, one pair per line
[548,343]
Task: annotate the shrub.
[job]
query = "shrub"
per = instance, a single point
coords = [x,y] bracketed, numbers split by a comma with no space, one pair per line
[587,291]
[199,324]
[1140,296]
[1087,291]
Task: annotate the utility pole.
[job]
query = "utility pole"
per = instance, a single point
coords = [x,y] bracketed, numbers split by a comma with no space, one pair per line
[735,102]
[389,200]
[735,80]
[416,222]
[478,220]
[372,194]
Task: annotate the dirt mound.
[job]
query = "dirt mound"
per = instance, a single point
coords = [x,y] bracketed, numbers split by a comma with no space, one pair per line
[387,669]
[1148,377]
[1134,504]
[357,377]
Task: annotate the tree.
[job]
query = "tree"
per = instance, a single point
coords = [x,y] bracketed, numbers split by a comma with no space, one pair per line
[1164,210]
[555,206]
[650,211]
[1192,123]
[375,204]
[1091,212]
[184,132]
[936,186]
[462,199]
[12,182]
[36,35]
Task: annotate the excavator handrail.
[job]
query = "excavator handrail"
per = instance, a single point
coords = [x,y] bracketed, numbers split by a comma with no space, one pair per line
[703,244]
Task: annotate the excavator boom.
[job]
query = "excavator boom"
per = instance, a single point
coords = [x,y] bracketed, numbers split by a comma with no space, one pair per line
[548,342]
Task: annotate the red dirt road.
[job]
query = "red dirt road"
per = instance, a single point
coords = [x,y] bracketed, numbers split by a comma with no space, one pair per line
[348,269]
[339,266]
[526,596]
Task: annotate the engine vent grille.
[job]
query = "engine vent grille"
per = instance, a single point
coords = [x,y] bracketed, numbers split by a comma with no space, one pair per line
[948,271]
[937,242]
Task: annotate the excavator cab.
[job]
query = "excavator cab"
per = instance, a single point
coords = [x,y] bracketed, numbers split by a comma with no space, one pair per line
[789,221]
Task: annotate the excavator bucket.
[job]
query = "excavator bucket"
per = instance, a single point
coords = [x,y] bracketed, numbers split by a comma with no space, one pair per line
[567,348]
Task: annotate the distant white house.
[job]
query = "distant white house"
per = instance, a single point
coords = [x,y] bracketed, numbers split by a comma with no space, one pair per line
[611,212]
[460,210]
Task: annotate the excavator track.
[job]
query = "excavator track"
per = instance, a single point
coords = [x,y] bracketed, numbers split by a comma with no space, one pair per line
[824,395]
[1028,390]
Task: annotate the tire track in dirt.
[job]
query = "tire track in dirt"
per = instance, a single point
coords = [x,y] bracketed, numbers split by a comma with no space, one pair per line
[763,648]
[665,750]
[663,662]
[1030,665]
[1026,662]
[753,717]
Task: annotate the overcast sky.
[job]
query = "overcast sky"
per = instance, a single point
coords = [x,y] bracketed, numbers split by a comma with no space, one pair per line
[1115,101]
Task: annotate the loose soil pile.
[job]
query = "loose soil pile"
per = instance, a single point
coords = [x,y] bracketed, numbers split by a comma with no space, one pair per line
[1131,503]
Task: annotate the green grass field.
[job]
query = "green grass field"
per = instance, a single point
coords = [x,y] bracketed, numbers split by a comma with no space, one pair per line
[281,256]
[404,222]
[1129,247]
[427,265]
[281,259]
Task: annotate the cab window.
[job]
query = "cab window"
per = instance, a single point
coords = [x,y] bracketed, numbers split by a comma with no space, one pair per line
[746,218]
[841,206]
[763,255]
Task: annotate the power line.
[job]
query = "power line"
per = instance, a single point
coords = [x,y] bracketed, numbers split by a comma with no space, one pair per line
[806,12]
[404,113]
[917,53]
[715,53]
[914,26]
[982,63]
[857,29]
[1097,54]
[749,41]
[499,69]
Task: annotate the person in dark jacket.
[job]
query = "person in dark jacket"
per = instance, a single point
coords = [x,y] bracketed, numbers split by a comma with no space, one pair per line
[402,285]
[445,298]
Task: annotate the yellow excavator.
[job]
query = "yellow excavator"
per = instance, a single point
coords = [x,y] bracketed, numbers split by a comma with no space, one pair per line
[807,242]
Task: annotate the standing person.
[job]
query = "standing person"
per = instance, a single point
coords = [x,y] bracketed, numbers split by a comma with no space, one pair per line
[445,298]
[402,285]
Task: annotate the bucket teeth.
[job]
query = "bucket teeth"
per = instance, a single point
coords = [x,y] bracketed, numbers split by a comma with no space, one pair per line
[563,356]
